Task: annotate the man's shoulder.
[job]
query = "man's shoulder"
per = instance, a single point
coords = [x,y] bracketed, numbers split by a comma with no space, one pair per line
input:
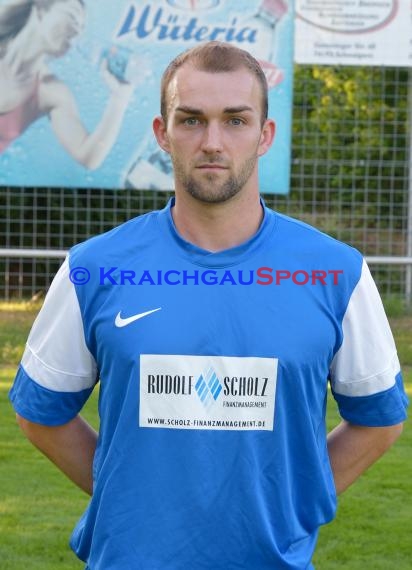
[299,234]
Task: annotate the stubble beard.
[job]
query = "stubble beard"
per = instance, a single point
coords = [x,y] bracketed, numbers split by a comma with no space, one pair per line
[210,190]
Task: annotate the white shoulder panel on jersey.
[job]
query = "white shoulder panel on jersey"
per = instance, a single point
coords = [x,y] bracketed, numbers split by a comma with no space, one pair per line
[56,355]
[367,362]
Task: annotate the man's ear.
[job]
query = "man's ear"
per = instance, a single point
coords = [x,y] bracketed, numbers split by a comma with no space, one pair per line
[267,136]
[160,132]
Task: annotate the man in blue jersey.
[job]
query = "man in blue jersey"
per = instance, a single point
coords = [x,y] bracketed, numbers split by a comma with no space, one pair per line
[213,327]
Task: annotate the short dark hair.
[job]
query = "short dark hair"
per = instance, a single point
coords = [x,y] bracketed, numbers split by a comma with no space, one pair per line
[215,57]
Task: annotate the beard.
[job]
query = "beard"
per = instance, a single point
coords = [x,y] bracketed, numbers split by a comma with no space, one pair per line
[210,189]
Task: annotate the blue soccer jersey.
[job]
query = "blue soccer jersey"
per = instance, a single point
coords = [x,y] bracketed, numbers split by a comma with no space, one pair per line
[213,372]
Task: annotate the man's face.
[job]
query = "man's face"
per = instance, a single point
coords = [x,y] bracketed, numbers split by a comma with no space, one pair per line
[214,132]
[60,24]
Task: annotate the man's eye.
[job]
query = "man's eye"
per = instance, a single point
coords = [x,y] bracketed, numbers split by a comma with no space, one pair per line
[236,121]
[191,121]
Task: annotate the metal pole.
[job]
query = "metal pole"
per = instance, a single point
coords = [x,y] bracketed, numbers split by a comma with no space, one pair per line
[388,260]
[31,253]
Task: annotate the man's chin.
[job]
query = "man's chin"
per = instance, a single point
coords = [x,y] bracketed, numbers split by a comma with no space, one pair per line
[209,194]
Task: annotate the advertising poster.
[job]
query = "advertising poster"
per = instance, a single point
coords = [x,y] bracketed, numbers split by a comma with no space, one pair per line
[354,32]
[80,83]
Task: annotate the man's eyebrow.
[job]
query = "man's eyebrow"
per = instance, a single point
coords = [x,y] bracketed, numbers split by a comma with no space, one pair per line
[227,110]
[234,110]
[189,110]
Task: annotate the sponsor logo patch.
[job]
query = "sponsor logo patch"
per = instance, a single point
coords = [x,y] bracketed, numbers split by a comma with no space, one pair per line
[207,392]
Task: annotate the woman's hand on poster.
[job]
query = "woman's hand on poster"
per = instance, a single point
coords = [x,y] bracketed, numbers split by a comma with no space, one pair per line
[122,90]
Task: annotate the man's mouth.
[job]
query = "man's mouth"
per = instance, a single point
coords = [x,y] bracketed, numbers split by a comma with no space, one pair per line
[211,166]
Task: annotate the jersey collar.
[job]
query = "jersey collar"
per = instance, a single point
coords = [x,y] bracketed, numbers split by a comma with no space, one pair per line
[226,258]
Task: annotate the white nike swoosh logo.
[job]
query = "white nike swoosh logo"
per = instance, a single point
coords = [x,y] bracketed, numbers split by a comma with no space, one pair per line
[120,322]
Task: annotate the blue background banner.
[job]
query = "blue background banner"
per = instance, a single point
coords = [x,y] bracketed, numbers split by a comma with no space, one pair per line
[134,41]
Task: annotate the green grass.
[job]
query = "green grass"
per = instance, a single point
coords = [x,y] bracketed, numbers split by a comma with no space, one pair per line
[15,322]
[39,506]
[372,530]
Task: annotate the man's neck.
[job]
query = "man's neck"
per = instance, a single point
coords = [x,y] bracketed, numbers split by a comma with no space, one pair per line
[216,227]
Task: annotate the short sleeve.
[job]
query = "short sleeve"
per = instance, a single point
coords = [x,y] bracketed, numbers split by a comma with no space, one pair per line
[365,373]
[57,372]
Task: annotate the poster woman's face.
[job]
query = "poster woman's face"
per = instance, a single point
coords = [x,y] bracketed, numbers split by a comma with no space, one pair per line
[60,24]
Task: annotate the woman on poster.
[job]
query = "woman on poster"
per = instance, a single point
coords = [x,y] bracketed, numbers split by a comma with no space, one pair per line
[31,33]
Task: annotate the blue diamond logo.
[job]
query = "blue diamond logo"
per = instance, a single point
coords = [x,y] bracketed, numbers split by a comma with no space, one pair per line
[208,388]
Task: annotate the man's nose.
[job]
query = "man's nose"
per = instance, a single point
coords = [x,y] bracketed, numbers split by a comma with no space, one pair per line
[213,138]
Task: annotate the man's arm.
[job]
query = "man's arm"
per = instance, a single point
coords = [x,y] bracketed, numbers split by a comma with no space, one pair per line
[353,448]
[70,447]
[88,148]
